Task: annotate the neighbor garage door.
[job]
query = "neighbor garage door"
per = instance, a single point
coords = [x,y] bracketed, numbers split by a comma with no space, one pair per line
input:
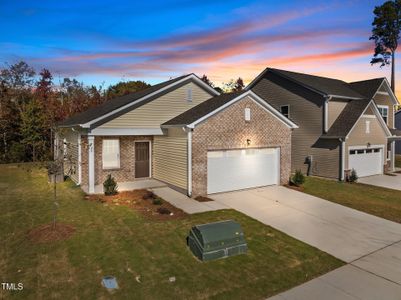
[231,170]
[366,162]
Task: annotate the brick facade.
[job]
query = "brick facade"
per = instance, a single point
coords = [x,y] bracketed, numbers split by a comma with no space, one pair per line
[125,173]
[229,130]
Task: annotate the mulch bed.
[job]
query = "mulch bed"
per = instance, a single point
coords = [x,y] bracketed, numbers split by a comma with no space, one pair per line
[142,202]
[46,233]
[294,187]
[203,199]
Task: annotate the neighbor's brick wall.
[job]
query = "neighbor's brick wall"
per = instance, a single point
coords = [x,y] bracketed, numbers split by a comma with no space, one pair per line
[229,130]
[125,173]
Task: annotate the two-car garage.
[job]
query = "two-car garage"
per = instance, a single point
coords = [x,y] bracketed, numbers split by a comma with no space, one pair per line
[229,170]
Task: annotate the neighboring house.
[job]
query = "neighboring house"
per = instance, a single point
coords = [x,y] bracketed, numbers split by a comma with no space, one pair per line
[398,126]
[183,133]
[342,126]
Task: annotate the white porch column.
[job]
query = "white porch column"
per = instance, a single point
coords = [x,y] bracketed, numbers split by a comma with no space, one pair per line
[393,156]
[79,160]
[91,164]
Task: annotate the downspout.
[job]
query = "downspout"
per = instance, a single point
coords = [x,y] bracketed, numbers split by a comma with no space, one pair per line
[342,168]
[189,164]
[326,113]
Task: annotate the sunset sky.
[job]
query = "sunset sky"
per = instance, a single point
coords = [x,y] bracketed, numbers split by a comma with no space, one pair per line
[109,41]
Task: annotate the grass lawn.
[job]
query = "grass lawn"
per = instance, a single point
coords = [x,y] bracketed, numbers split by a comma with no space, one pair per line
[398,161]
[116,240]
[381,202]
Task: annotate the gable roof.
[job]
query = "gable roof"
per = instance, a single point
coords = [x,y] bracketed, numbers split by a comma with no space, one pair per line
[350,115]
[213,105]
[369,87]
[133,100]
[321,85]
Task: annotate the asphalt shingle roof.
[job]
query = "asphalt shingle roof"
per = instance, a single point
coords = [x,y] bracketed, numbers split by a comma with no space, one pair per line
[367,88]
[324,85]
[115,103]
[202,109]
[347,118]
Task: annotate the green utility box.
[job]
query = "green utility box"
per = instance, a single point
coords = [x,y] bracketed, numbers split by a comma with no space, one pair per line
[217,240]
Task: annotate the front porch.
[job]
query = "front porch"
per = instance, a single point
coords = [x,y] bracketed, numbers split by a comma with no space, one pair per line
[128,186]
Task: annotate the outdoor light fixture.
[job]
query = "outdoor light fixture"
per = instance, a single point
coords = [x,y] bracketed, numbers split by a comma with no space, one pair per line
[248,142]
[368,145]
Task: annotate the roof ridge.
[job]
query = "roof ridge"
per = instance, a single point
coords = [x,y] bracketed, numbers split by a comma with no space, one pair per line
[359,81]
[306,74]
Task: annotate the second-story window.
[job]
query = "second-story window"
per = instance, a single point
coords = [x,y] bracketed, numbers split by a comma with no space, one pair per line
[383,109]
[285,110]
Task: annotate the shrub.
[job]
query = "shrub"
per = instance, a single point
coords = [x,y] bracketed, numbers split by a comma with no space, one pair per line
[298,178]
[110,186]
[157,201]
[163,211]
[353,177]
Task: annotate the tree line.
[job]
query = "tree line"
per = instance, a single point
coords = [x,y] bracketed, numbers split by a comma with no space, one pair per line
[31,105]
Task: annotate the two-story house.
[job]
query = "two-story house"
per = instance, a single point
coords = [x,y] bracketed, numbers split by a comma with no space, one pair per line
[182,133]
[342,126]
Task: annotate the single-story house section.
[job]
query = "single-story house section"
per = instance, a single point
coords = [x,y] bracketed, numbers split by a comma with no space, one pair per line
[181,132]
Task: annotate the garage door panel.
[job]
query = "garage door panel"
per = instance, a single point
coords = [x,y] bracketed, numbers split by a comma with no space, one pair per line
[239,169]
[366,161]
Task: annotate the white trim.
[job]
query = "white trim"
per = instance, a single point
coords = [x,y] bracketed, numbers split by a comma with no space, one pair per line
[380,119]
[79,159]
[382,93]
[191,76]
[326,115]
[285,105]
[126,131]
[390,92]
[342,175]
[393,156]
[388,111]
[279,165]
[258,100]
[189,162]
[91,164]
[150,157]
[382,147]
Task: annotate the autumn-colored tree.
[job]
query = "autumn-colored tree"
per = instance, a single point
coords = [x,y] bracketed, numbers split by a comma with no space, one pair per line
[124,88]
[234,86]
[206,80]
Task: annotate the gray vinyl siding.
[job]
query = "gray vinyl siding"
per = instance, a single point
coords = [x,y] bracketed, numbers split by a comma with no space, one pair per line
[170,158]
[306,110]
[71,158]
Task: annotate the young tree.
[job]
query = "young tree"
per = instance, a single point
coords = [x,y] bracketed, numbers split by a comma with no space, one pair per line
[206,80]
[385,34]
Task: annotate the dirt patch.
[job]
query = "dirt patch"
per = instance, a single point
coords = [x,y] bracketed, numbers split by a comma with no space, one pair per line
[294,187]
[47,233]
[148,204]
[203,199]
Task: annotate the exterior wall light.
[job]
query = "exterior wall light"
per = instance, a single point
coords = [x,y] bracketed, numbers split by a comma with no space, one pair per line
[248,142]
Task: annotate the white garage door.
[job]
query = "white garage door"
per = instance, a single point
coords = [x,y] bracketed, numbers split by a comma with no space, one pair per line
[230,170]
[366,162]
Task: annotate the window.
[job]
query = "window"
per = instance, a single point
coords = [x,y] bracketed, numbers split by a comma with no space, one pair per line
[285,110]
[367,130]
[189,95]
[352,152]
[247,114]
[111,154]
[384,112]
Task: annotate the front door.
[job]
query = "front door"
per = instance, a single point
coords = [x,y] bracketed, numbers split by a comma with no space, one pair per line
[142,159]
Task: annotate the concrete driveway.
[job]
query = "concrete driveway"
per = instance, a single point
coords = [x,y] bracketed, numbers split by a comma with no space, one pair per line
[370,245]
[390,182]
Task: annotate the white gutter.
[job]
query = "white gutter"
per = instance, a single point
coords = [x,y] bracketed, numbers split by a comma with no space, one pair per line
[79,159]
[326,114]
[342,170]
[189,158]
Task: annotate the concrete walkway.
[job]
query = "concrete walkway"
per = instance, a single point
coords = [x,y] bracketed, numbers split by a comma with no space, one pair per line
[369,244]
[387,181]
[185,203]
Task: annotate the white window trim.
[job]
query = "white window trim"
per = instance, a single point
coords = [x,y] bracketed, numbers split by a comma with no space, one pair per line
[247,115]
[367,128]
[388,110]
[150,157]
[189,94]
[118,155]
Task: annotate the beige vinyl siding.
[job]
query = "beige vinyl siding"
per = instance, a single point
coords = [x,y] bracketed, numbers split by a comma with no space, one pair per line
[359,137]
[306,110]
[335,108]
[71,161]
[386,100]
[170,158]
[160,110]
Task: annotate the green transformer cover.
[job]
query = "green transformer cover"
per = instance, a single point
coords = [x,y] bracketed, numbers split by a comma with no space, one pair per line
[217,240]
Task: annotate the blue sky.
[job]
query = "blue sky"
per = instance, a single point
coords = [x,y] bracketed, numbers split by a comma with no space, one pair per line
[108,41]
